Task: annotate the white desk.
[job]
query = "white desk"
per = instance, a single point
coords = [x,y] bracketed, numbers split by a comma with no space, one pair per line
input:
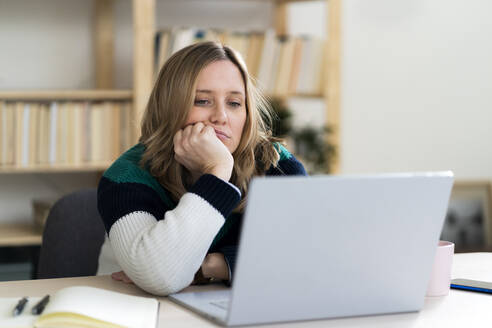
[458,309]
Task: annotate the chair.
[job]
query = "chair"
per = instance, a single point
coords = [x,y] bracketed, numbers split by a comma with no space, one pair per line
[72,237]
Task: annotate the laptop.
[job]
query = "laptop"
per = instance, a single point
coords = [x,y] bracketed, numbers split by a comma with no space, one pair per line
[331,246]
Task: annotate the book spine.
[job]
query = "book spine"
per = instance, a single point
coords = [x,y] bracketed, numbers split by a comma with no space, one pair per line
[53,132]
[10,129]
[33,134]
[3,133]
[25,136]
[86,130]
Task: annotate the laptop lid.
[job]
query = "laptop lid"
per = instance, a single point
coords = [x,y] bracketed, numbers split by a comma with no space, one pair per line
[334,246]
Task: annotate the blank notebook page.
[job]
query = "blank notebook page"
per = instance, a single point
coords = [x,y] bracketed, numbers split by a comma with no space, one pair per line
[101,305]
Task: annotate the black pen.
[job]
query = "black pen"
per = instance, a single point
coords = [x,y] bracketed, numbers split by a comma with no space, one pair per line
[20,306]
[38,308]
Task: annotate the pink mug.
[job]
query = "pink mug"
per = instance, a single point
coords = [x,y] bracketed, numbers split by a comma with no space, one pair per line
[441,272]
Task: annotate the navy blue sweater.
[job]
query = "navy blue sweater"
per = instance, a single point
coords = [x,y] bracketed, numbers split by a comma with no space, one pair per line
[126,187]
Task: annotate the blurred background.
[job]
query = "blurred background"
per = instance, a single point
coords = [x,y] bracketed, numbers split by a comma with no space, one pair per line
[359,87]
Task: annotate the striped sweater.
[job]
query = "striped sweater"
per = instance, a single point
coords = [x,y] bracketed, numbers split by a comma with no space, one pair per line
[161,244]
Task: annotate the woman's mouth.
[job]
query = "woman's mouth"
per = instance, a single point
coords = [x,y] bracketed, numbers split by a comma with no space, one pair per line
[221,135]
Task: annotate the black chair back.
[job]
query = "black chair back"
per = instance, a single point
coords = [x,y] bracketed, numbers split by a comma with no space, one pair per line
[72,237]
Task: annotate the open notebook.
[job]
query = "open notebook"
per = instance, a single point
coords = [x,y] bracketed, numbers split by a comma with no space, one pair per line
[82,306]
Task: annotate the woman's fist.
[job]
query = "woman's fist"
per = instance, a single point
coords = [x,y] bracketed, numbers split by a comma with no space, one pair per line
[197,148]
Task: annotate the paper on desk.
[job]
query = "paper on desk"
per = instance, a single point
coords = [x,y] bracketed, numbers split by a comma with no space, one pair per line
[24,320]
[94,306]
[83,306]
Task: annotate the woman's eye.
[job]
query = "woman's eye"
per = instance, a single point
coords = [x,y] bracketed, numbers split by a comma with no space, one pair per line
[201,102]
[235,104]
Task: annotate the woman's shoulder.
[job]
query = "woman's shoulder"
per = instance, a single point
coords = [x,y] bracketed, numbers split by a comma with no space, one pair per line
[282,151]
[287,163]
[127,167]
[127,171]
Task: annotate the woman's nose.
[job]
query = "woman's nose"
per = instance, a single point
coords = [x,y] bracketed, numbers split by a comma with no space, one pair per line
[219,115]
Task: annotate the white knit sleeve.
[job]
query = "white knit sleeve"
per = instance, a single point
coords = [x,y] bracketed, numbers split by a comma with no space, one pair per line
[162,256]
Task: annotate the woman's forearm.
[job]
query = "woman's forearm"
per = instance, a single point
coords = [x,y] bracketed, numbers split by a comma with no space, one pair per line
[162,257]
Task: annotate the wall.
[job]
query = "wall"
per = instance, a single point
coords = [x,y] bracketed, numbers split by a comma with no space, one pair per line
[417,86]
[45,44]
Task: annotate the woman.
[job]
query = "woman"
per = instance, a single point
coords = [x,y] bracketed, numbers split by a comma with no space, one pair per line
[172,204]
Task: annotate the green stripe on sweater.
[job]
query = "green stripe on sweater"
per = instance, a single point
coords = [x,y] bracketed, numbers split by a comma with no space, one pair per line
[282,151]
[126,169]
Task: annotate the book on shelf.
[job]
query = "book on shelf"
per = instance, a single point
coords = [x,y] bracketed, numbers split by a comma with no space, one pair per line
[53,124]
[71,123]
[9,134]
[78,133]
[285,64]
[63,132]
[168,41]
[281,65]
[266,61]
[239,41]
[296,66]
[274,67]
[33,134]
[126,125]
[4,142]
[43,141]
[86,131]
[62,128]
[311,68]
[2,127]
[114,120]
[19,127]
[255,47]
[97,132]
[83,306]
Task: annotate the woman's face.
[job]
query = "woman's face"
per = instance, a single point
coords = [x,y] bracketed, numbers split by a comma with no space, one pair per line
[220,102]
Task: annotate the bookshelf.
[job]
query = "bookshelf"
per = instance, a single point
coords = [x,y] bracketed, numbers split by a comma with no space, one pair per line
[73,105]
[143,12]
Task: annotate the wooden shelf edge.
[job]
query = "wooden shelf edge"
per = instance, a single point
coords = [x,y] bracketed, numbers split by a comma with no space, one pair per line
[297,95]
[56,168]
[19,234]
[67,95]
[290,1]
[472,182]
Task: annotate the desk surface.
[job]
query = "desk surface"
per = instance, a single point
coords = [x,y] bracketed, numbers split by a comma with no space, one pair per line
[458,309]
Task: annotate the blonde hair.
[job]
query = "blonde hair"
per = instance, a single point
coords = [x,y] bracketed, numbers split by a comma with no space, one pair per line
[167,110]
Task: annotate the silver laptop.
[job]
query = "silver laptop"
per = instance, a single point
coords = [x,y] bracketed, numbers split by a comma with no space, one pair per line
[324,247]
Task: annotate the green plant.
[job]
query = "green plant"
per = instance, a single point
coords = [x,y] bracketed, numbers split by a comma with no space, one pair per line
[311,144]
[282,124]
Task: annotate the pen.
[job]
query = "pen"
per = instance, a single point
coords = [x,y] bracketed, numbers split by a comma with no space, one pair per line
[39,307]
[20,306]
